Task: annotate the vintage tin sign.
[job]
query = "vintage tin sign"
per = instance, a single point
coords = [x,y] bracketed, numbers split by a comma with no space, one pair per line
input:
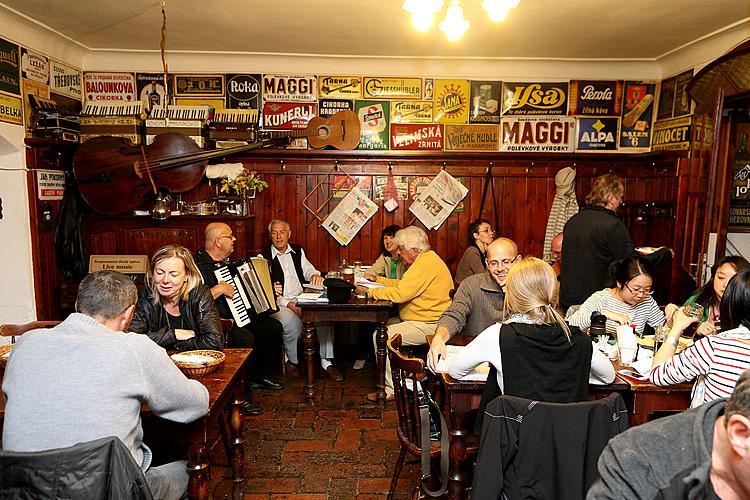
[672,135]
[485,102]
[10,69]
[428,93]
[666,99]
[30,87]
[525,98]
[342,184]
[244,91]
[373,122]
[401,182]
[472,137]
[597,134]
[66,80]
[150,90]
[411,111]
[538,134]
[637,114]
[682,102]
[198,85]
[288,115]
[418,184]
[414,136]
[376,87]
[50,184]
[329,107]
[34,66]
[11,110]
[595,98]
[451,101]
[109,88]
[285,88]
[339,86]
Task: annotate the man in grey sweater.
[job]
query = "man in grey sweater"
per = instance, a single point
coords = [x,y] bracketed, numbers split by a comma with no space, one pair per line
[700,453]
[478,302]
[86,379]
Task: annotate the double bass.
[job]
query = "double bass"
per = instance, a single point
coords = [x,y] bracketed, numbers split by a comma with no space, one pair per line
[114,176]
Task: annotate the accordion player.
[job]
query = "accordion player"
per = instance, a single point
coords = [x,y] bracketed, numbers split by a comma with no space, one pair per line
[253,290]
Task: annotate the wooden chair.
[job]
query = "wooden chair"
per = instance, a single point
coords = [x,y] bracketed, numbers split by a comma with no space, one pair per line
[226,327]
[407,372]
[14,330]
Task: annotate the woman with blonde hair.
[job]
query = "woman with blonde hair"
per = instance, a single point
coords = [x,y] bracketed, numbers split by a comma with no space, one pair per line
[175,309]
[534,353]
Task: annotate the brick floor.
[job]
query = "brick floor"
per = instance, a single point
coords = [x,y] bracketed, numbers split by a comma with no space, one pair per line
[342,447]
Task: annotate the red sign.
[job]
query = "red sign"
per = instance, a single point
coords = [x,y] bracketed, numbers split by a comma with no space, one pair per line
[287,115]
[416,136]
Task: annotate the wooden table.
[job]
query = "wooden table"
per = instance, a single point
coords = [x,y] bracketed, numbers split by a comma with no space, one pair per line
[226,389]
[642,399]
[357,310]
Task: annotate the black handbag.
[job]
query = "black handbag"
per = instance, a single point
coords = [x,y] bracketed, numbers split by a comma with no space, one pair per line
[430,417]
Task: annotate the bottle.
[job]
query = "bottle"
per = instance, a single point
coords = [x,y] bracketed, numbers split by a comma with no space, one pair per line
[154,99]
[342,266]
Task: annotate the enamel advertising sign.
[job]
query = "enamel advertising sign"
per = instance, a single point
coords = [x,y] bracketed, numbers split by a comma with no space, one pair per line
[538,134]
[373,122]
[198,85]
[637,114]
[414,136]
[485,102]
[525,98]
[340,86]
[288,115]
[411,112]
[9,68]
[472,137]
[244,91]
[109,88]
[595,98]
[286,88]
[597,134]
[329,107]
[451,101]
[34,67]
[672,135]
[66,80]
[11,110]
[392,88]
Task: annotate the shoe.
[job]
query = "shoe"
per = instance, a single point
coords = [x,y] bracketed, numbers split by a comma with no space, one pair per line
[251,409]
[291,368]
[373,397]
[334,374]
[266,383]
[359,364]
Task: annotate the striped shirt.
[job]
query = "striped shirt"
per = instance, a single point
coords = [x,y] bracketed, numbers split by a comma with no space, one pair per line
[646,311]
[717,361]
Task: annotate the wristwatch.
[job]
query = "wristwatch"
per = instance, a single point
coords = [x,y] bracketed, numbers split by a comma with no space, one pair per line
[673,341]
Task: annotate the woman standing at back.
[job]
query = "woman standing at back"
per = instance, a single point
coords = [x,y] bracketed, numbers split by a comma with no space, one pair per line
[474,259]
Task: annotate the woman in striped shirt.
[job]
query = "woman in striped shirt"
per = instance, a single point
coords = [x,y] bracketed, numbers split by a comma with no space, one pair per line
[628,302]
[717,360]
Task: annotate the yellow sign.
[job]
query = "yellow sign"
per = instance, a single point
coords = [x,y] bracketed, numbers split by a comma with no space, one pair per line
[672,135]
[339,86]
[392,88]
[126,264]
[11,110]
[411,112]
[451,101]
[472,137]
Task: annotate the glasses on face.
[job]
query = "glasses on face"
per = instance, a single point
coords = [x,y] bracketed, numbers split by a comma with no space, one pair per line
[226,236]
[487,230]
[639,291]
[498,263]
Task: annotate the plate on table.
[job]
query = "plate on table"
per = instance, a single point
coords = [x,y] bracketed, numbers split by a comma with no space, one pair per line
[647,341]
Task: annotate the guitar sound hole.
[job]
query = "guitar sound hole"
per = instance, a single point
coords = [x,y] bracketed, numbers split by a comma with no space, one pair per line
[324,132]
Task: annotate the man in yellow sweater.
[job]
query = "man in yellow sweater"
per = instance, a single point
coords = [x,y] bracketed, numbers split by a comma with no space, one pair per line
[422,294]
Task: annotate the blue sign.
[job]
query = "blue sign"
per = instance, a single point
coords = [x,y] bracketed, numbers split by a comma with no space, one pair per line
[597,134]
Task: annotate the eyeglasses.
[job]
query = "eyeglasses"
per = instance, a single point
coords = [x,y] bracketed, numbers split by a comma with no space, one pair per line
[227,236]
[639,291]
[488,230]
[498,263]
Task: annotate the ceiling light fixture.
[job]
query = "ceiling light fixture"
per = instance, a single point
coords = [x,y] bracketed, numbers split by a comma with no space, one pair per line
[454,25]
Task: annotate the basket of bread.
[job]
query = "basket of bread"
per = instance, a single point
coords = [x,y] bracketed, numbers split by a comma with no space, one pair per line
[198,363]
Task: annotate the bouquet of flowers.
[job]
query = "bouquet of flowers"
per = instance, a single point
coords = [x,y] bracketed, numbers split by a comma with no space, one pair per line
[244,185]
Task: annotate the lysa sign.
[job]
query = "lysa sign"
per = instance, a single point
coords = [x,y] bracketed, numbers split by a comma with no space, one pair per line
[50,184]
[538,134]
[414,136]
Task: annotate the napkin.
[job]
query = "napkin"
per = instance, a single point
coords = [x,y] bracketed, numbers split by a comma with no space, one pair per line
[626,338]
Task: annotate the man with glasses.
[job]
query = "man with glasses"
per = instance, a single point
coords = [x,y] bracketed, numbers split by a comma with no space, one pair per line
[263,334]
[478,302]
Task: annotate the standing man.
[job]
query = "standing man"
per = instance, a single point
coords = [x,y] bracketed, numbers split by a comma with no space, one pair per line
[700,453]
[290,269]
[478,302]
[555,248]
[263,334]
[422,294]
[86,379]
[593,239]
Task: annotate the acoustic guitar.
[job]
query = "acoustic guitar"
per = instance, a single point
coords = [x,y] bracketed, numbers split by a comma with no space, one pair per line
[340,131]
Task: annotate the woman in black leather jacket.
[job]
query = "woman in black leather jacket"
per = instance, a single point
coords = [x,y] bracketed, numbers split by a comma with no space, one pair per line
[175,309]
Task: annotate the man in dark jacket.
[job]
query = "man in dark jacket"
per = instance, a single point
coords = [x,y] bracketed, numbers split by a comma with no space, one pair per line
[700,453]
[263,334]
[593,239]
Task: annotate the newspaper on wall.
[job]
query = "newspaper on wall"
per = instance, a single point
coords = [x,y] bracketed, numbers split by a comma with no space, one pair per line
[352,212]
[438,200]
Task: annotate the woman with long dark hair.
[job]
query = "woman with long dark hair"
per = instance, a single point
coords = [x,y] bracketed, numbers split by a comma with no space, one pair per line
[389,262]
[474,259]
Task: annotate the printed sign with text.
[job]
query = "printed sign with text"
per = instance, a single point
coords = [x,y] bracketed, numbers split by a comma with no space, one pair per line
[525,98]
[66,80]
[244,91]
[50,184]
[392,88]
[198,85]
[411,111]
[597,134]
[373,122]
[472,137]
[672,135]
[285,88]
[595,98]
[287,115]
[414,136]
[451,101]
[340,86]
[637,114]
[539,134]
[10,69]
[485,102]
[109,88]
[34,66]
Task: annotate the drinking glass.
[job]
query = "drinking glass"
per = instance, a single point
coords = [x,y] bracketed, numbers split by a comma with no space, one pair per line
[627,355]
[660,335]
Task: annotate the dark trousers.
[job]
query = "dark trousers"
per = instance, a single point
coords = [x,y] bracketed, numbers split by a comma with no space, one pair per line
[264,337]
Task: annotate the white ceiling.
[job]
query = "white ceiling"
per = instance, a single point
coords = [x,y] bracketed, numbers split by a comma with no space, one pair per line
[538,29]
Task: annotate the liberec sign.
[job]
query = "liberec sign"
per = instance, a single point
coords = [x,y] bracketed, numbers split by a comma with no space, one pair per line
[538,134]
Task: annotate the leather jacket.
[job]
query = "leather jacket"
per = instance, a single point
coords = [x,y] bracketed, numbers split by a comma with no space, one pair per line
[198,314]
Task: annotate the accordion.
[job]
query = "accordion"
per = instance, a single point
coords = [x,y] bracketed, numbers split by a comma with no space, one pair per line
[253,290]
